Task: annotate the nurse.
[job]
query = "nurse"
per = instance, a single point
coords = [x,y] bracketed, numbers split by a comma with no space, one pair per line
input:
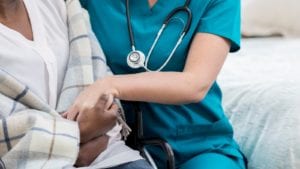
[177,90]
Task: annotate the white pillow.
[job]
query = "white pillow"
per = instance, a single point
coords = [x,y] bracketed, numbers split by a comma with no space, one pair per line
[269,17]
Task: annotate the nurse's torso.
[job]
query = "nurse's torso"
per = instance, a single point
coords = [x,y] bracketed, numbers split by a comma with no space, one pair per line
[190,129]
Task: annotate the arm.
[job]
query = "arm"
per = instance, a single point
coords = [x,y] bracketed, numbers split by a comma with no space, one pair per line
[205,59]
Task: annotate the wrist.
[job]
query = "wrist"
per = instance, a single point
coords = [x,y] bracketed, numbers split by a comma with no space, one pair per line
[108,83]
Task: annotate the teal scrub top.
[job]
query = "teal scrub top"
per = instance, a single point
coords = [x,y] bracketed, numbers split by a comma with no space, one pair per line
[190,129]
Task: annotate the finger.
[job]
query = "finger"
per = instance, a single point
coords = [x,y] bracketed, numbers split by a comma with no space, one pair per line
[114,108]
[72,113]
[73,116]
[113,112]
[109,101]
[64,115]
[103,98]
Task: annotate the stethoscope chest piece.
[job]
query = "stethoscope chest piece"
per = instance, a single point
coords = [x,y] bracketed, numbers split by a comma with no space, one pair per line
[136,59]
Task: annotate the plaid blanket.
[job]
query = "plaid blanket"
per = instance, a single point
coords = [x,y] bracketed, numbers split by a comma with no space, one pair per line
[32,134]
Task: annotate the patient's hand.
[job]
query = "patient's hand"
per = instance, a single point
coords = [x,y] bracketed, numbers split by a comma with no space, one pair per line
[90,150]
[97,119]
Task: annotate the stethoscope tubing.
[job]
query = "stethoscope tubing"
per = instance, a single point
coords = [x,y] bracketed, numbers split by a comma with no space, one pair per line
[186,28]
[129,26]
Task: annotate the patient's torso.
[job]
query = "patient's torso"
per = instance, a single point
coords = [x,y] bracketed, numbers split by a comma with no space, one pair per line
[40,64]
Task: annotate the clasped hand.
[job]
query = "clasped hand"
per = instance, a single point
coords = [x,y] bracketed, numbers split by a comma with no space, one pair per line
[96,113]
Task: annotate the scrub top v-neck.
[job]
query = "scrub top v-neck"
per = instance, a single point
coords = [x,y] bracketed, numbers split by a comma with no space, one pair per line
[191,129]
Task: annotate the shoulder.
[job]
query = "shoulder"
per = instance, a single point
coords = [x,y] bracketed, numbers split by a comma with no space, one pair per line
[225,3]
[205,7]
[207,4]
[221,8]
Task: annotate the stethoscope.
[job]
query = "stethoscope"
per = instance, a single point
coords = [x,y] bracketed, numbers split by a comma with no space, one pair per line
[137,59]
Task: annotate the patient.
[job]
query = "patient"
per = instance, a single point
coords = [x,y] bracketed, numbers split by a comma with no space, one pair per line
[36,52]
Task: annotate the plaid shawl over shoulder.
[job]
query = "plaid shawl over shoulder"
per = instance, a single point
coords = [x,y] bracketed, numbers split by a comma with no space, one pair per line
[32,135]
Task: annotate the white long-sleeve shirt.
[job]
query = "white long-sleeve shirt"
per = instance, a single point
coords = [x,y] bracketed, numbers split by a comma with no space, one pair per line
[41,65]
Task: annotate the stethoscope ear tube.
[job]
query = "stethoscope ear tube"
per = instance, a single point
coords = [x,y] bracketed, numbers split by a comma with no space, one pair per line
[187,3]
[189,21]
[129,27]
[185,9]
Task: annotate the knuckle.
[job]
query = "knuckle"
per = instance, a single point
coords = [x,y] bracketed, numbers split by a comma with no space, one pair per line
[87,107]
[83,131]
[104,138]
[114,113]
[112,116]
[82,160]
[99,108]
[76,104]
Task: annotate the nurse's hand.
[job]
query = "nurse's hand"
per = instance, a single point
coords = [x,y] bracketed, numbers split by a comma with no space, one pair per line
[89,151]
[95,112]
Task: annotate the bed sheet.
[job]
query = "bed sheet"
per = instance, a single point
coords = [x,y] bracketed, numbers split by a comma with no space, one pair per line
[261,96]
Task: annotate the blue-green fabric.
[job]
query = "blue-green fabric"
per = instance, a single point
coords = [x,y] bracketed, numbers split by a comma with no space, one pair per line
[210,161]
[191,129]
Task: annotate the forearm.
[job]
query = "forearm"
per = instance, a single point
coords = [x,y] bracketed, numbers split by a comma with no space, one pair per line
[205,59]
[158,87]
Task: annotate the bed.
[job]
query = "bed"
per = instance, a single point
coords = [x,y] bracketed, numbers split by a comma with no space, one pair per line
[261,96]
